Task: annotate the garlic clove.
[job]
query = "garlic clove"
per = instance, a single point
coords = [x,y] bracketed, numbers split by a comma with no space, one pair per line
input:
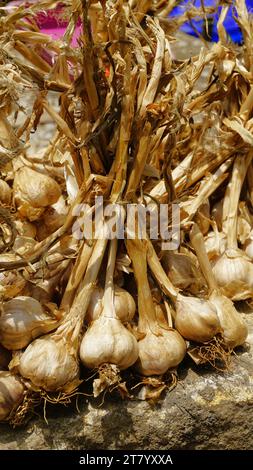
[5,192]
[196,319]
[11,394]
[23,319]
[50,363]
[107,341]
[159,353]
[35,189]
[124,304]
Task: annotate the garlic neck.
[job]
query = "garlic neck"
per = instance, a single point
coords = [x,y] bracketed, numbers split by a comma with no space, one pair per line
[198,244]
[147,315]
[108,300]
[232,197]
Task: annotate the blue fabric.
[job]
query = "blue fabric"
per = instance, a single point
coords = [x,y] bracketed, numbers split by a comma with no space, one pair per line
[230,24]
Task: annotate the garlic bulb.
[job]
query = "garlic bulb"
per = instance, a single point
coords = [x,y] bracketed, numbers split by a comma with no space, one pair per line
[124,304]
[233,271]
[233,329]
[11,394]
[158,353]
[35,189]
[196,319]
[160,349]
[51,362]
[5,192]
[107,341]
[182,271]
[23,319]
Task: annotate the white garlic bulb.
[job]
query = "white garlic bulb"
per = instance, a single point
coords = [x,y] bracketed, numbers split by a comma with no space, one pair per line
[160,352]
[233,272]
[161,347]
[35,189]
[124,304]
[11,394]
[23,319]
[107,341]
[234,329]
[183,272]
[49,363]
[196,319]
[5,192]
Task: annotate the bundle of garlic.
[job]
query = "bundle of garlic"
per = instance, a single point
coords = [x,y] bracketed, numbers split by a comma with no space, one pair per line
[132,130]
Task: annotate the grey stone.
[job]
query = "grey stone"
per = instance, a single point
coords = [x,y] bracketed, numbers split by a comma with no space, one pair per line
[207,410]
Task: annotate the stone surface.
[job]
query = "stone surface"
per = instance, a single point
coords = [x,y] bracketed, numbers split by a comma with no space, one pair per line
[207,410]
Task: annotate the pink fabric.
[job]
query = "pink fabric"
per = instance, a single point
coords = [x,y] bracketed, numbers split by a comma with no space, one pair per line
[51,23]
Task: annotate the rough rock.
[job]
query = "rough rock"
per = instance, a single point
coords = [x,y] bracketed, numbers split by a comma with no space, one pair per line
[207,410]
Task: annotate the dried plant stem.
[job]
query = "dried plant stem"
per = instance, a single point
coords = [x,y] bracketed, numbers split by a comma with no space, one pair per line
[232,196]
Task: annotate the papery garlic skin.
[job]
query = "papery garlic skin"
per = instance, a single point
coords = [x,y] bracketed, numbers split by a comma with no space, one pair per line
[215,244]
[248,246]
[161,352]
[203,217]
[124,304]
[25,228]
[11,394]
[23,245]
[49,363]
[107,341]
[22,320]
[217,213]
[183,272]
[5,192]
[234,329]
[37,189]
[233,272]
[196,319]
